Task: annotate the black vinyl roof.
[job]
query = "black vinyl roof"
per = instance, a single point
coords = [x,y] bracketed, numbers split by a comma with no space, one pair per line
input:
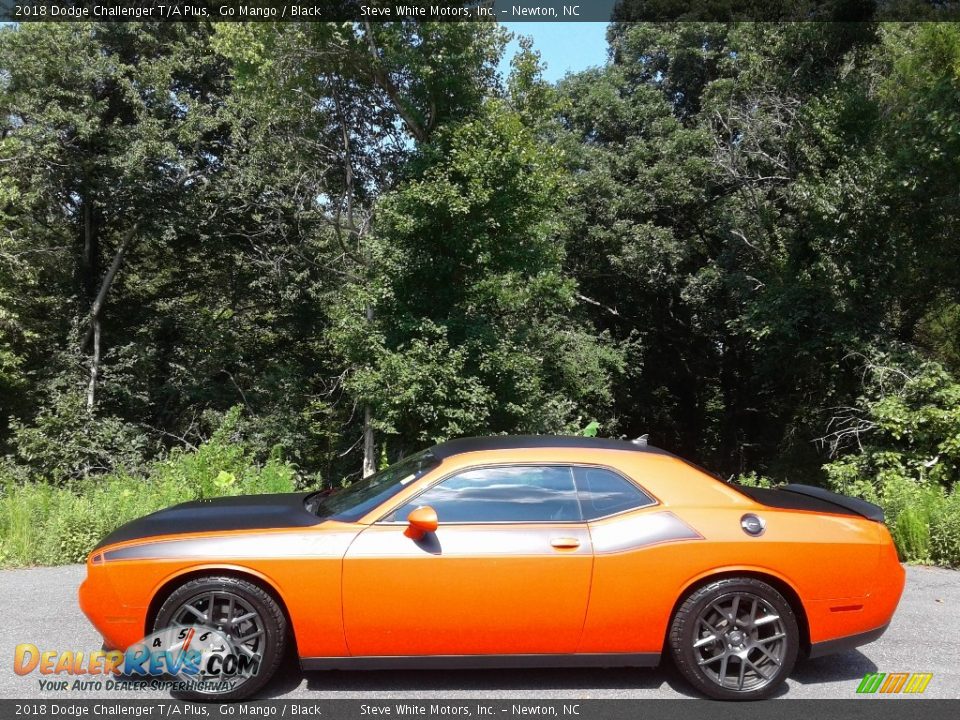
[515,442]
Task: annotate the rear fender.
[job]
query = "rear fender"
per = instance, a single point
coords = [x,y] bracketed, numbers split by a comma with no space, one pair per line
[776,579]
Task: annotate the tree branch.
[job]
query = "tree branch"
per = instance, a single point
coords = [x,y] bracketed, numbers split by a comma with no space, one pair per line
[600,305]
[105,285]
[383,80]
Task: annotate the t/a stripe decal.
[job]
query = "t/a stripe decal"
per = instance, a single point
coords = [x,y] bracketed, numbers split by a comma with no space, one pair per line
[614,535]
[259,545]
[633,532]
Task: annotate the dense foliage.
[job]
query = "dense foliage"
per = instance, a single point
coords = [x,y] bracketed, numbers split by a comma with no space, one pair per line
[899,446]
[43,524]
[738,238]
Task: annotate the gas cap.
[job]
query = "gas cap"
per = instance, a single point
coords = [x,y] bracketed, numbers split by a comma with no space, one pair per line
[753,525]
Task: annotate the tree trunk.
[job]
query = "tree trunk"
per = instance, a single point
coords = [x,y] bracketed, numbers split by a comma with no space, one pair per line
[89,263]
[94,366]
[383,80]
[369,447]
[369,454]
[105,287]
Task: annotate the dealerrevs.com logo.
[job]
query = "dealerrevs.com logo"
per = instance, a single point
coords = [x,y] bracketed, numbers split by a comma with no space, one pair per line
[178,658]
[894,683]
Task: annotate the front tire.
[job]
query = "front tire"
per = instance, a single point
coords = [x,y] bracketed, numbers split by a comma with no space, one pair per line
[735,639]
[242,610]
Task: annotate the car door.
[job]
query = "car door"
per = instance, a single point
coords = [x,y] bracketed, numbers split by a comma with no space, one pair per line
[634,541]
[506,572]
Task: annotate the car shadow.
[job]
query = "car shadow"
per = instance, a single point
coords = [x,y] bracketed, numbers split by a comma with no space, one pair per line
[486,680]
[288,678]
[851,665]
[364,682]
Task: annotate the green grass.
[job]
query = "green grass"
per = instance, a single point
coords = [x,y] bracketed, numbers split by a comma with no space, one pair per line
[924,520]
[46,524]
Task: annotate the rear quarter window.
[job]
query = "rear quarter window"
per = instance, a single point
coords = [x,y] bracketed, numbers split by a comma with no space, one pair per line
[605,492]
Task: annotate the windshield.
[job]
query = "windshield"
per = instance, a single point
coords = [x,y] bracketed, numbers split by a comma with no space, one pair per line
[352,503]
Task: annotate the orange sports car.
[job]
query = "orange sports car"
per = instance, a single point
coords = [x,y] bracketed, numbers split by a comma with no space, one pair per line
[505,552]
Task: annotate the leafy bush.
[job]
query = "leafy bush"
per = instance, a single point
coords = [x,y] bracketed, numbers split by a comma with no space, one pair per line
[907,507]
[903,453]
[50,524]
[945,531]
[924,521]
[905,425]
[752,479]
[64,443]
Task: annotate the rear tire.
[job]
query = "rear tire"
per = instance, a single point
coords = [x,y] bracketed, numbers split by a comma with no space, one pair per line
[735,639]
[244,611]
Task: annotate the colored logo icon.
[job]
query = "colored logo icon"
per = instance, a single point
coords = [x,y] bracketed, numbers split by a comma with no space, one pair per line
[894,683]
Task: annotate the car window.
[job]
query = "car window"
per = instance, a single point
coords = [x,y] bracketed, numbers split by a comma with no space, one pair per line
[356,500]
[521,493]
[604,492]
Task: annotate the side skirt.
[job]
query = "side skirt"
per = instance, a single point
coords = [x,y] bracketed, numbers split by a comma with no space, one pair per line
[478,662]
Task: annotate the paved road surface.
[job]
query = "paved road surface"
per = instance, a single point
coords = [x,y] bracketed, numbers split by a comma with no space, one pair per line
[39,606]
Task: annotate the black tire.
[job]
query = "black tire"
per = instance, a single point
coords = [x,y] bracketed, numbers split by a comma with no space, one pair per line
[274,626]
[707,612]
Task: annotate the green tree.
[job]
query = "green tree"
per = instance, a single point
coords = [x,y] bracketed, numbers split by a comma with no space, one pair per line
[475,330]
[108,132]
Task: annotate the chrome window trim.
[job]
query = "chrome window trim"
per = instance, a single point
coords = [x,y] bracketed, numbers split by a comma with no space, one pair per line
[655,501]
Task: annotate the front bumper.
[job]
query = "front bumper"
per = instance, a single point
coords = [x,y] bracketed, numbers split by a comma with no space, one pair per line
[119,625]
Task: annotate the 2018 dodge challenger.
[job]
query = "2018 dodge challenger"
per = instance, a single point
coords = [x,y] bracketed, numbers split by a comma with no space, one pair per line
[512,551]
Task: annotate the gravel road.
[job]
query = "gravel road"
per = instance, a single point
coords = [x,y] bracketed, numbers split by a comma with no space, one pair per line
[40,606]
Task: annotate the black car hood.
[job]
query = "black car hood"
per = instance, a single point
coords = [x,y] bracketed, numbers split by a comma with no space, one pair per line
[241,512]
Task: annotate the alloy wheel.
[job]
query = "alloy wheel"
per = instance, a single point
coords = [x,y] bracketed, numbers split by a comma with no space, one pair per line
[740,641]
[232,615]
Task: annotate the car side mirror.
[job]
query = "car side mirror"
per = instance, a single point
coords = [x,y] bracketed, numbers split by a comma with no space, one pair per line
[421,521]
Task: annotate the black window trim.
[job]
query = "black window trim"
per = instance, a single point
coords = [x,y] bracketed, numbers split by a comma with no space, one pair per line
[527,463]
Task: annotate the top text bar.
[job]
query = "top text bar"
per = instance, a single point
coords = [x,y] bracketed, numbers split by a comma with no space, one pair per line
[477,10]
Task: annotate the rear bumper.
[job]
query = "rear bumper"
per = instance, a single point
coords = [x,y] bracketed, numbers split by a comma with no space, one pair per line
[839,645]
[840,624]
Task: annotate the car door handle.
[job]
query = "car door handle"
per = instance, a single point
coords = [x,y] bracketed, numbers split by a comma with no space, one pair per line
[565,542]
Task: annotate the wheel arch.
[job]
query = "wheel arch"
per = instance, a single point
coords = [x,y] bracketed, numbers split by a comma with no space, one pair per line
[779,583]
[171,583]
